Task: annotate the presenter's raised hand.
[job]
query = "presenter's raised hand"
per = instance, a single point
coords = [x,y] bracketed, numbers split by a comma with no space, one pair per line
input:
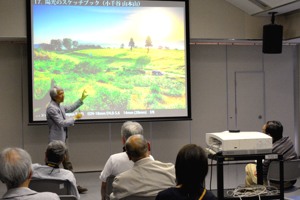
[83,96]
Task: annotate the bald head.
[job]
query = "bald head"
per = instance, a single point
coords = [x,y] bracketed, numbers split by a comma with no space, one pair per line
[136,147]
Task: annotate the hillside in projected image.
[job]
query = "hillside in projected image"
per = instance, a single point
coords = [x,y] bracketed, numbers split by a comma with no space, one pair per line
[126,58]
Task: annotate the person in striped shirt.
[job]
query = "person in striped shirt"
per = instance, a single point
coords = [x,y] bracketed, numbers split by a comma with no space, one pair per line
[282,145]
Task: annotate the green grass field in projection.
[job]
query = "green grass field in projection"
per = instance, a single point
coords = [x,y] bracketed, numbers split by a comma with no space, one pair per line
[114,78]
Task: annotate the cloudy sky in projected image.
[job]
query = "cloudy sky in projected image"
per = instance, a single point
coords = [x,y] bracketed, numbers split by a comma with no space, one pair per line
[110,25]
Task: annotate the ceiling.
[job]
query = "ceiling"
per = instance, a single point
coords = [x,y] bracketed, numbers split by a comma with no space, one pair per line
[265,7]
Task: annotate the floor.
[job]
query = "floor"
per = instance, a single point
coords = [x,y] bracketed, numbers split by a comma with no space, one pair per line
[91,181]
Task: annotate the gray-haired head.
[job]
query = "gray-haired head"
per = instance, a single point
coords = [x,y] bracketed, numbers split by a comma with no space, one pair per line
[56,152]
[130,128]
[54,91]
[15,167]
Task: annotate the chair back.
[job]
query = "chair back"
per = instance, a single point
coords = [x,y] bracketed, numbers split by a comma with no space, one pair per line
[109,182]
[67,197]
[60,187]
[291,170]
[139,198]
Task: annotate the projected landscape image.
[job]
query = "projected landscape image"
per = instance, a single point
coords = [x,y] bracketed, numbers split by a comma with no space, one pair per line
[130,60]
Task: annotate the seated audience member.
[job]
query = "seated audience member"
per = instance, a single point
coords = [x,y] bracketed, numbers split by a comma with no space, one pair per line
[119,162]
[147,177]
[281,145]
[191,168]
[15,172]
[54,156]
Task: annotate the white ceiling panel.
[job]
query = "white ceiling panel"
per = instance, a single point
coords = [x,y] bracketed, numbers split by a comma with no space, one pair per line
[246,6]
[276,3]
[264,7]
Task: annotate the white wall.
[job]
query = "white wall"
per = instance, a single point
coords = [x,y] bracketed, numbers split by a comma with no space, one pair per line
[11,123]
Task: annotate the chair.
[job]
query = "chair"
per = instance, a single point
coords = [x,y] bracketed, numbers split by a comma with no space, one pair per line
[67,197]
[109,182]
[60,187]
[291,170]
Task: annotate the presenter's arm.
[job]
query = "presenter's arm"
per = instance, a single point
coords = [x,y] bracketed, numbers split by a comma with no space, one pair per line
[83,96]
[77,104]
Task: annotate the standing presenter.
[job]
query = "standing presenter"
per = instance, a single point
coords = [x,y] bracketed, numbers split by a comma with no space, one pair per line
[58,122]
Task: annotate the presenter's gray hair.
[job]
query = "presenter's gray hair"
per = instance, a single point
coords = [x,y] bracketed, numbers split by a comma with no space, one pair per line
[15,167]
[53,92]
[130,128]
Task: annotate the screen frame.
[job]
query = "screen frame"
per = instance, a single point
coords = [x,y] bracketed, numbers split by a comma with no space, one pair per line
[109,120]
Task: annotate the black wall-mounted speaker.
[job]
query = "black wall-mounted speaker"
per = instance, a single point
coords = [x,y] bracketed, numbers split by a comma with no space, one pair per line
[272,38]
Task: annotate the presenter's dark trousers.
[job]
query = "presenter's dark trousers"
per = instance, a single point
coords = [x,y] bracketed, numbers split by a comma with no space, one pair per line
[67,163]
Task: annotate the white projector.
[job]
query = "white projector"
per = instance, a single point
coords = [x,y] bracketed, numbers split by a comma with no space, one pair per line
[239,143]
